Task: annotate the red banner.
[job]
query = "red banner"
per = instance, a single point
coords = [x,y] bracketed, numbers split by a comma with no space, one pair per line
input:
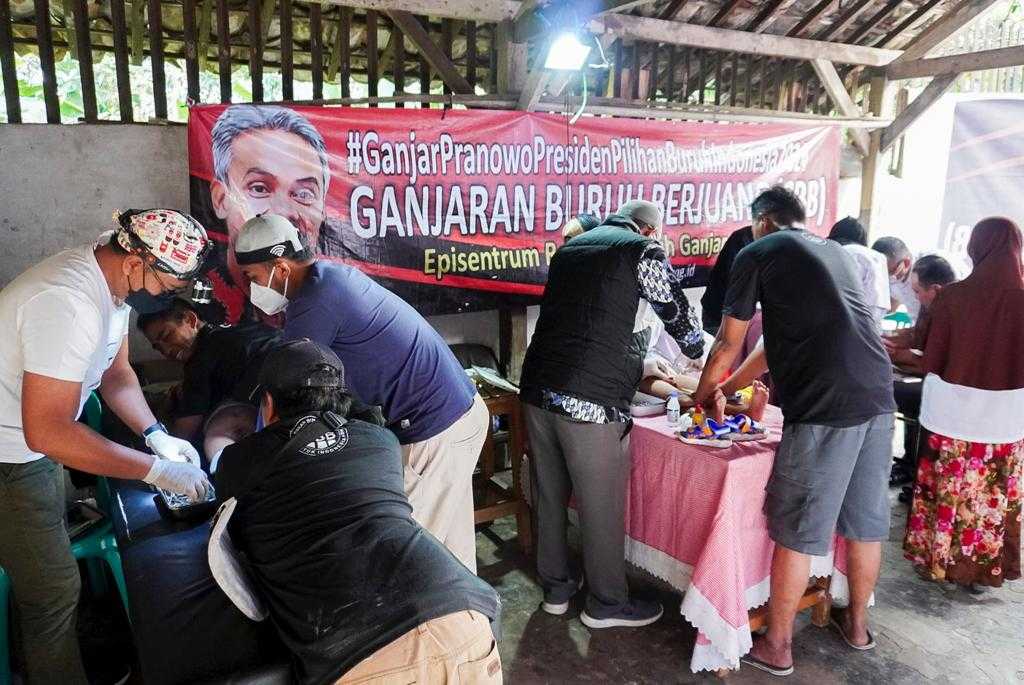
[474,201]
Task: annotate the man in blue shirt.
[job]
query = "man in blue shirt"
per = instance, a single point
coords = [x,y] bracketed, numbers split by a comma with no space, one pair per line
[394,358]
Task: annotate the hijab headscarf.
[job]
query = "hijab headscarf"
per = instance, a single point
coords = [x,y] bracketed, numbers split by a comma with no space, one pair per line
[976,336]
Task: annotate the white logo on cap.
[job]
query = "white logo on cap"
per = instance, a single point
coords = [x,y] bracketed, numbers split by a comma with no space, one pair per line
[277,250]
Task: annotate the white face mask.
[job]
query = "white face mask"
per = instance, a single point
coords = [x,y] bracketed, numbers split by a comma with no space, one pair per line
[266,299]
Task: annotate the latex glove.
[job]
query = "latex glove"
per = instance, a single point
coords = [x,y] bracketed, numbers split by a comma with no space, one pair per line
[658,369]
[179,478]
[175,449]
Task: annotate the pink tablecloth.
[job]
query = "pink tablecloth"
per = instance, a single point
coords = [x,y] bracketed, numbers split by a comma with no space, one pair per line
[694,519]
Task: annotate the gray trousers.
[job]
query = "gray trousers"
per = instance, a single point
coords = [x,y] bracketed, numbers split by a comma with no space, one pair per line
[590,461]
[36,553]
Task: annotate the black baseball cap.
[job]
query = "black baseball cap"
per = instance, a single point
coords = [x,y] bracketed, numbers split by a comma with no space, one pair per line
[299,364]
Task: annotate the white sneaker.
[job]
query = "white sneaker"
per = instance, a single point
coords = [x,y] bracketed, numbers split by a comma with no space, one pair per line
[635,614]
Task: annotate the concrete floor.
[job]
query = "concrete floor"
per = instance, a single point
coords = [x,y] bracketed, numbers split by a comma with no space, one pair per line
[925,632]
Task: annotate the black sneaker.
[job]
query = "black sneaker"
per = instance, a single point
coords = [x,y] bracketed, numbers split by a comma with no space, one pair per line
[635,614]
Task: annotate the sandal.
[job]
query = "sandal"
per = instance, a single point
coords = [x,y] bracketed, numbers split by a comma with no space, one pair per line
[767,667]
[834,620]
[743,428]
[708,433]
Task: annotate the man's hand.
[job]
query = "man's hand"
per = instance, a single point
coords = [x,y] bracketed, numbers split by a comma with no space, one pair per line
[181,479]
[171,448]
[655,368]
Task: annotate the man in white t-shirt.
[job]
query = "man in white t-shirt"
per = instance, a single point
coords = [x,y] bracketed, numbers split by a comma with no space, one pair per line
[872,268]
[65,323]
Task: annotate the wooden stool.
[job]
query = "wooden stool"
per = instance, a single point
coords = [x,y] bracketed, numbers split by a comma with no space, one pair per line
[494,499]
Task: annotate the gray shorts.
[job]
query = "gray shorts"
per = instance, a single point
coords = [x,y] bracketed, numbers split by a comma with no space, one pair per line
[828,479]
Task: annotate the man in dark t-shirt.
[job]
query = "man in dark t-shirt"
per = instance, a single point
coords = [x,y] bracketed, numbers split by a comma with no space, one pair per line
[834,385]
[355,587]
[220,362]
[718,279]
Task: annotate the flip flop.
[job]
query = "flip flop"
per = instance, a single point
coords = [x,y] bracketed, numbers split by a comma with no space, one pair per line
[744,429]
[708,433]
[766,667]
[861,648]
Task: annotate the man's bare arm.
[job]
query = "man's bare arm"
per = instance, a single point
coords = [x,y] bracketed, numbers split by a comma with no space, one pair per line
[752,368]
[123,394]
[49,409]
[724,350]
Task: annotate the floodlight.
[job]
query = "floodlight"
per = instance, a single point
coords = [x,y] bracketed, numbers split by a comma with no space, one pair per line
[567,53]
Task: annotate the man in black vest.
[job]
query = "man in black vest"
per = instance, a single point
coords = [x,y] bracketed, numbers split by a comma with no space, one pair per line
[582,368]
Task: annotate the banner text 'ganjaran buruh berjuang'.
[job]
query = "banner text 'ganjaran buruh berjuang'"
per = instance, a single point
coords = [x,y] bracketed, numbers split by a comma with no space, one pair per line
[451,208]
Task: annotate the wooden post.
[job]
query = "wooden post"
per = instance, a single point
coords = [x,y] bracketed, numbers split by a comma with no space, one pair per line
[287,59]
[398,62]
[316,52]
[81,12]
[870,165]
[124,82]
[188,13]
[471,55]
[224,50]
[205,26]
[44,36]
[345,53]
[138,17]
[7,66]
[372,76]
[255,50]
[447,36]
[156,58]
[511,58]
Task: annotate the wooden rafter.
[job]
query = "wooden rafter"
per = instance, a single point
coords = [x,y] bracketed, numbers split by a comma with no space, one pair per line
[905,23]
[873,21]
[767,14]
[810,17]
[954,20]
[728,8]
[843,20]
[955,64]
[845,105]
[434,55]
[676,33]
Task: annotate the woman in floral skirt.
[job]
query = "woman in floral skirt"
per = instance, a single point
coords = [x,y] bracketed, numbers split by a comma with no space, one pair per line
[965,520]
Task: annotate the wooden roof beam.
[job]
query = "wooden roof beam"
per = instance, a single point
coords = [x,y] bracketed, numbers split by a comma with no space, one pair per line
[812,16]
[906,23]
[844,20]
[677,33]
[767,15]
[728,8]
[431,52]
[956,64]
[954,20]
[873,21]
[486,11]
[836,90]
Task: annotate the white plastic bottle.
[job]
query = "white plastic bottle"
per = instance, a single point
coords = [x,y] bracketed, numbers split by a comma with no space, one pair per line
[672,409]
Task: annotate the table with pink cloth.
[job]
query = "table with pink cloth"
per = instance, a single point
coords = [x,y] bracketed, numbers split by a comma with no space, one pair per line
[694,519]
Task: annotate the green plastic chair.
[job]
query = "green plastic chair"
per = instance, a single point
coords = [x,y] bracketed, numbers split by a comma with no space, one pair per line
[98,545]
[901,319]
[5,630]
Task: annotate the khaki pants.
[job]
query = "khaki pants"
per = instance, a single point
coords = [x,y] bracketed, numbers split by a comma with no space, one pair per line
[439,481]
[457,649]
